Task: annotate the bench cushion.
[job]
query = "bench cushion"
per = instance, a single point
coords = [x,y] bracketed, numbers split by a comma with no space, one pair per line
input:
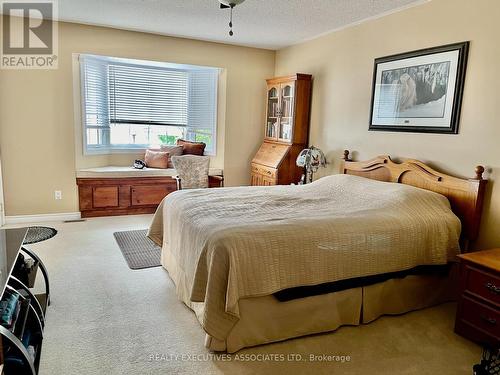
[123,172]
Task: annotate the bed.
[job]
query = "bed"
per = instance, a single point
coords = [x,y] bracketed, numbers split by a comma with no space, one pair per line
[264,264]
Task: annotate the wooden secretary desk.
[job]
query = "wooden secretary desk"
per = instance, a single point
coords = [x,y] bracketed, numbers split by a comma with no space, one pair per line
[286,131]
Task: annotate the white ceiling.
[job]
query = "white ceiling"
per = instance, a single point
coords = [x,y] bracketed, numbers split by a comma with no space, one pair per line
[271,24]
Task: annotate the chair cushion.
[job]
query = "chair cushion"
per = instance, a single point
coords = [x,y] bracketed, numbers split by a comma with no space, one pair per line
[157,159]
[173,151]
[192,170]
[191,148]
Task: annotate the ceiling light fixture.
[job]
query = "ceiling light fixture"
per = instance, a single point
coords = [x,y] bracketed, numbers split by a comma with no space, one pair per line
[224,4]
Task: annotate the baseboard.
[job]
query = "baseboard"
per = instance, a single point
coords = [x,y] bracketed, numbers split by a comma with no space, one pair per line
[32,219]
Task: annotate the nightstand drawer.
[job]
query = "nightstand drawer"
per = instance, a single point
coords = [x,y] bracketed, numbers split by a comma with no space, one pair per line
[483,284]
[481,317]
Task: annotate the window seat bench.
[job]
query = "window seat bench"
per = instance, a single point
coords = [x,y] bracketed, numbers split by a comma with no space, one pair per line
[110,190]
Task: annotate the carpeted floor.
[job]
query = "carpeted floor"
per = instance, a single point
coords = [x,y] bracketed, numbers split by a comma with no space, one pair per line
[108,319]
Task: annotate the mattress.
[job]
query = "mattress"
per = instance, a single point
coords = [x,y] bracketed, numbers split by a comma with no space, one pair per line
[357,282]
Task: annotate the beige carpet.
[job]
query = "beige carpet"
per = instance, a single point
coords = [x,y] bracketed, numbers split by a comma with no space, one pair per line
[108,319]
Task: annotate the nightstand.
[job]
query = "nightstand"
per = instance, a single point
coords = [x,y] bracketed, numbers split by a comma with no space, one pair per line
[478,313]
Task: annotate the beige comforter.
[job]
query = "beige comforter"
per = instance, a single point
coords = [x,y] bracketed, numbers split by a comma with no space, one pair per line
[222,245]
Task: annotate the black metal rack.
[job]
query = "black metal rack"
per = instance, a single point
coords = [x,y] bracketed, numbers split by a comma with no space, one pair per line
[21,342]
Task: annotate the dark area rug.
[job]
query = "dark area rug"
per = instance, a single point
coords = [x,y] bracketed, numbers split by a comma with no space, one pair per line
[38,234]
[138,250]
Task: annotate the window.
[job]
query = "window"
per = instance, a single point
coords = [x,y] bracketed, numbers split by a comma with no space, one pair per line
[129,105]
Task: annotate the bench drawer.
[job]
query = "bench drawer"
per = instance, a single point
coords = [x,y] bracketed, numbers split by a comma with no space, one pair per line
[105,196]
[149,195]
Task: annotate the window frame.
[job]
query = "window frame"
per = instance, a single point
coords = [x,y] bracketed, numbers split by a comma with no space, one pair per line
[137,148]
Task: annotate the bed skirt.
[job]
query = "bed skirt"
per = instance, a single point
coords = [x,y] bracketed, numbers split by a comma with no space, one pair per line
[266,320]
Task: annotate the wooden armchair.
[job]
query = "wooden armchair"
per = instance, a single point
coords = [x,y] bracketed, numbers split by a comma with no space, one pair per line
[215,181]
[192,172]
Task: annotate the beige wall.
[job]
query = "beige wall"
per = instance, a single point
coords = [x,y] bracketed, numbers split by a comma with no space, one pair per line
[342,65]
[37,113]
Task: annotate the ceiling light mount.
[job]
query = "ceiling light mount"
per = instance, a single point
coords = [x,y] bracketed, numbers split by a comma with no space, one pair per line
[224,4]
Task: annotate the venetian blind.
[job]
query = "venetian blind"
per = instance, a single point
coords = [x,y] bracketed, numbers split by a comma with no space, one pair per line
[116,91]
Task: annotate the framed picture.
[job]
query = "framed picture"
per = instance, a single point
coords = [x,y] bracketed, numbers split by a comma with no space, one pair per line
[419,91]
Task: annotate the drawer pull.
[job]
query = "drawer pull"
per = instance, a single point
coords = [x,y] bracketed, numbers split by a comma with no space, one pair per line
[489,320]
[492,288]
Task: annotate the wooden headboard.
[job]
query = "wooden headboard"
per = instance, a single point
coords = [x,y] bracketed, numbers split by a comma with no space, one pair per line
[465,195]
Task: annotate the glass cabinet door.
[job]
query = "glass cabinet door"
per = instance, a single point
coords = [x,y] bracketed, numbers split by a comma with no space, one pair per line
[287,105]
[273,112]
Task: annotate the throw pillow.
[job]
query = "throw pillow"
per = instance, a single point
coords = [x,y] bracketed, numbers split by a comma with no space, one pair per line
[192,148]
[173,151]
[157,159]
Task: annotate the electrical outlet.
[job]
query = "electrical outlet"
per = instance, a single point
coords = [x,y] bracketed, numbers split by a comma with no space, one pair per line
[58,194]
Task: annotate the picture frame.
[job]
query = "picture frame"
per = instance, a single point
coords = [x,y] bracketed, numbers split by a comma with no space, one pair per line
[419,91]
